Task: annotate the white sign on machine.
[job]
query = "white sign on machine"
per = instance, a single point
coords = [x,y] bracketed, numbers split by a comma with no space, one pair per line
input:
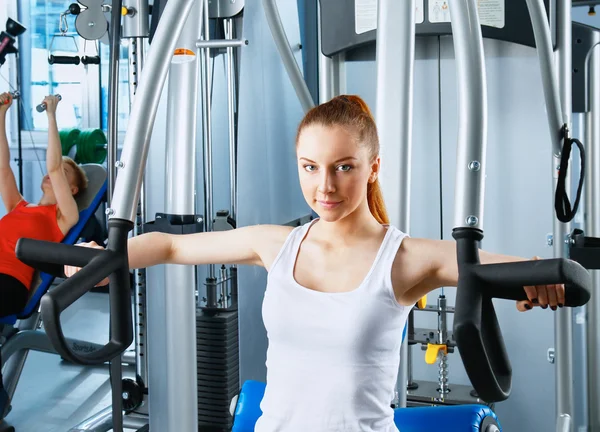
[491,13]
[365,15]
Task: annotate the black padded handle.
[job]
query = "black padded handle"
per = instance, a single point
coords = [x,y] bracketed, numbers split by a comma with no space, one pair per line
[96,265]
[75,60]
[86,60]
[476,329]
[506,281]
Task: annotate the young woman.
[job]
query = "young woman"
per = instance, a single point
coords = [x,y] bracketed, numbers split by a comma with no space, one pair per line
[50,219]
[339,289]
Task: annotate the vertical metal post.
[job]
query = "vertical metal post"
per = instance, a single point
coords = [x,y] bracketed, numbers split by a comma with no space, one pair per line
[394,115]
[173,400]
[326,87]
[592,229]
[136,64]
[113,96]
[136,29]
[563,324]
[231,108]
[207,136]
[228,286]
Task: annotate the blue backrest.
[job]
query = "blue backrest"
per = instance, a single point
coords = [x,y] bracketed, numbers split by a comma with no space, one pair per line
[88,202]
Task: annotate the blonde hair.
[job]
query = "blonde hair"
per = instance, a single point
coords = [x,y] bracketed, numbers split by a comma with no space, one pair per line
[353,114]
[81,180]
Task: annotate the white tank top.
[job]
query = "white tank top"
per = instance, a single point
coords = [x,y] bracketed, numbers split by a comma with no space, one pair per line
[333,358]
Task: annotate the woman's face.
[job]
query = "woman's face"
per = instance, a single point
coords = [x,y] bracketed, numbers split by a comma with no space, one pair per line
[71,178]
[334,171]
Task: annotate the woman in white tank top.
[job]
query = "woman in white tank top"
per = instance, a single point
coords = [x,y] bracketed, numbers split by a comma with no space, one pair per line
[339,288]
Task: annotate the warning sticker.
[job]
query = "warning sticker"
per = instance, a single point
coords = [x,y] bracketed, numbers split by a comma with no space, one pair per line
[491,12]
[365,15]
[419,12]
[438,11]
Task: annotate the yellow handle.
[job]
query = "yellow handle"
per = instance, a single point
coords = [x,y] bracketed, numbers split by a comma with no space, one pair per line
[432,352]
[124,11]
[422,302]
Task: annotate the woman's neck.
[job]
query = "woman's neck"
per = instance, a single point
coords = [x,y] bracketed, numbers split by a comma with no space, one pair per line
[358,224]
[47,200]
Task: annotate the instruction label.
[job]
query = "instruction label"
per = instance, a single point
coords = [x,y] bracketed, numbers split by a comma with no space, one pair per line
[365,15]
[491,12]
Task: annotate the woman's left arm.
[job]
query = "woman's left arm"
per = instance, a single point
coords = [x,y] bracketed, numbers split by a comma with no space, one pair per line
[432,264]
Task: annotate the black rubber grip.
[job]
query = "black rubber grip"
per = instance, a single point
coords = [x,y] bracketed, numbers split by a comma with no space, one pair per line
[96,265]
[506,281]
[86,60]
[476,329]
[75,60]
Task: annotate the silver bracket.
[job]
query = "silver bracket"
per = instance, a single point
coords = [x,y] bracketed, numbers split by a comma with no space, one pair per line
[551,356]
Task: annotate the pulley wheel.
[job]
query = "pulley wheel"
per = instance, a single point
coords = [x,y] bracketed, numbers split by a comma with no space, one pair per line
[133,395]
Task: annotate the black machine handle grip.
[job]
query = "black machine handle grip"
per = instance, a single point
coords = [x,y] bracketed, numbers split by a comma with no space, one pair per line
[476,329]
[96,265]
[506,281]
[86,60]
[75,60]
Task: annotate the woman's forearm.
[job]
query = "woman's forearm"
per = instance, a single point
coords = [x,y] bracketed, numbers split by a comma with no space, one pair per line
[4,150]
[54,151]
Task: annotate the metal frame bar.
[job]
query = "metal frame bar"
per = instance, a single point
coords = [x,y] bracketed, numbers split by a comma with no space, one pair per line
[287,56]
[472,115]
[173,401]
[563,324]
[394,114]
[205,76]
[113,96]
[592,229]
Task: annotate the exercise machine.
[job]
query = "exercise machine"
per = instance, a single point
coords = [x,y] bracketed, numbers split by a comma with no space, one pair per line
[20,333]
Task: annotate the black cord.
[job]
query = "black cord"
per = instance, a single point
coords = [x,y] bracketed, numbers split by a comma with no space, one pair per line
[564,212]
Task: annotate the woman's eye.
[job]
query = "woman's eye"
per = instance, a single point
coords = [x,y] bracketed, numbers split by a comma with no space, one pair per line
[309,168]
[344,168]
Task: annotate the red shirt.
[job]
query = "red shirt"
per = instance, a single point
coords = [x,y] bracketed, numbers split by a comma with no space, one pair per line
[35,222]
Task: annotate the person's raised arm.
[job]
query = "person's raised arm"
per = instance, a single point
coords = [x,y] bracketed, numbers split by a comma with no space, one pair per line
[56,171]
[8,185]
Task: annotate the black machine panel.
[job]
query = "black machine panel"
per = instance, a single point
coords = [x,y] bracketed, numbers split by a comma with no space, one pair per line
[338,28]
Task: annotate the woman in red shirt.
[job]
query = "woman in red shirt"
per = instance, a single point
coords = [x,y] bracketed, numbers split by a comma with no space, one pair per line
[50,219]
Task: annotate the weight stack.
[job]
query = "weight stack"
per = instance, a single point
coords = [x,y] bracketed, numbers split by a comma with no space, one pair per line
[218,369]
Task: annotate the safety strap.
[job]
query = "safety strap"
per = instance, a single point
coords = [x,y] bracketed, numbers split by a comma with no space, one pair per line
[562,205]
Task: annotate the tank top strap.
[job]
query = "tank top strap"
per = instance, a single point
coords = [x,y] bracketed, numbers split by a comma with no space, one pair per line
[288,252]
[391,246]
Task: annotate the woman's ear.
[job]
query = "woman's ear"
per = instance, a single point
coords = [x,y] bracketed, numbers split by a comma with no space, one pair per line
[375,168]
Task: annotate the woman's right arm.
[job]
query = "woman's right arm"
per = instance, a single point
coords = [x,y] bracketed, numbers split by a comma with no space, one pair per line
[252,245]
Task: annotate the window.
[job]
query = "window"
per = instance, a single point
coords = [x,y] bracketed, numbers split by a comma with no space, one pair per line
[38,77]
[123,102]
[84,89]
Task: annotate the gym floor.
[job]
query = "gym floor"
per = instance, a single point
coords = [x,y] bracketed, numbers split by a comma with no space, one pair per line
[53,395]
